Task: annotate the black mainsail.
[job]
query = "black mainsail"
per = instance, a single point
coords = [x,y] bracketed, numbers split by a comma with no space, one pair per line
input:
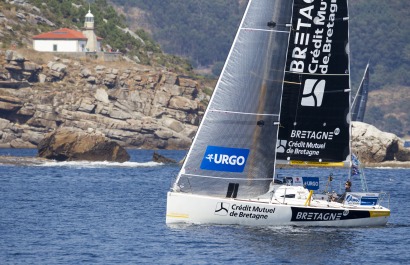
[360,100]
[315,123]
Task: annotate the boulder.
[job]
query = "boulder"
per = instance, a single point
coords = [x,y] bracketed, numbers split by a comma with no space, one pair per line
[372,145]
[68,144]
[11,55]
[403,153]
[101,95]
[162,159]
[156,157]
[182,103]
[85,73]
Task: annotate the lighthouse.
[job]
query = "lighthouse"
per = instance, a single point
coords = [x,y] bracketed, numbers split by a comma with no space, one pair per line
[92,44]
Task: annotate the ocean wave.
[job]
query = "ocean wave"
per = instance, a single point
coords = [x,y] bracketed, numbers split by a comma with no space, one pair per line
[99,164]
[390,168]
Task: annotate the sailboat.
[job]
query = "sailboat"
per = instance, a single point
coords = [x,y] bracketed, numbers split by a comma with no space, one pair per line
[360,100]
[283,99]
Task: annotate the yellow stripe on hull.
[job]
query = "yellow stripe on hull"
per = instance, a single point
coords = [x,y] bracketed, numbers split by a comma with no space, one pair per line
[178,215]
[379,213]
[316,164]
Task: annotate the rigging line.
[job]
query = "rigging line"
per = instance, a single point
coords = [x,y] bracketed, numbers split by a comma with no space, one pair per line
[244,113]
[299,73]
[266,30]
[213,177]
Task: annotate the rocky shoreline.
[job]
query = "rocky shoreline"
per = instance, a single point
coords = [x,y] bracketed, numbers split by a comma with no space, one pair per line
[134,105]
[22,160]
[389,164]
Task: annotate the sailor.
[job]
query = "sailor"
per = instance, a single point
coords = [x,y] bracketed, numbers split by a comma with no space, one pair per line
[348,188]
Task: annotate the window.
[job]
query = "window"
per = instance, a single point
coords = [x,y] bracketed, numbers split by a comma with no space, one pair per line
[54,47]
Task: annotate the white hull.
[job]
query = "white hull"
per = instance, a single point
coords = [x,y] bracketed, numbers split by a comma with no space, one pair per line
[196,209]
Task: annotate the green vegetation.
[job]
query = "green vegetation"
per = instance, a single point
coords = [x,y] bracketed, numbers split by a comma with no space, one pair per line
[389,110]
[379,34]
[108,23]
[200,30]
[204,30]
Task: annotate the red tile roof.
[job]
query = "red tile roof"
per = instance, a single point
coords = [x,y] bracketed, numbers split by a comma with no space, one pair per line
[61,34]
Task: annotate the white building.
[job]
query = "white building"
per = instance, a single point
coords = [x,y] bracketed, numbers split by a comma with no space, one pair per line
[68,40]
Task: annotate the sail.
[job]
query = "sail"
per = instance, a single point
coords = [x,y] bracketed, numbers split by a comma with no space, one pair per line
[360,100]
[233,153]
[315,111]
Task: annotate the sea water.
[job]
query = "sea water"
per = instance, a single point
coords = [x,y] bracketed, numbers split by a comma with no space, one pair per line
[114,213]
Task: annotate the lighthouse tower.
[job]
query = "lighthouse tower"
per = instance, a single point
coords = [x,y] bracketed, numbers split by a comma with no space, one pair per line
[92,44]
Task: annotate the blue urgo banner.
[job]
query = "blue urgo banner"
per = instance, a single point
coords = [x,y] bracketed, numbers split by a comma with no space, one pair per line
[311,183]
[224,159]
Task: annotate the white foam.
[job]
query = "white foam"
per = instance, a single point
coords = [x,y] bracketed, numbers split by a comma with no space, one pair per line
[100,164]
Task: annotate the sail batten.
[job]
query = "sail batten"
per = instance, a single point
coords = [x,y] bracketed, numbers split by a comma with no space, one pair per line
[243,113]
[266,30]
[213,177]
[315,74]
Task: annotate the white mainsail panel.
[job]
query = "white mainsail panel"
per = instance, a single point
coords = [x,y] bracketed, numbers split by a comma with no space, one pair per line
[233,153]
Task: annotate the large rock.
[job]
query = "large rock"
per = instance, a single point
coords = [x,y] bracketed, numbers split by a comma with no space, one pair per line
[403,153]
[156,157]
[374,146]
[67,144]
